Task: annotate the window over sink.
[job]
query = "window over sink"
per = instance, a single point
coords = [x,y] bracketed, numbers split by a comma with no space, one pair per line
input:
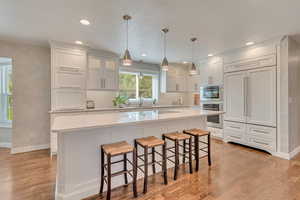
[137,84]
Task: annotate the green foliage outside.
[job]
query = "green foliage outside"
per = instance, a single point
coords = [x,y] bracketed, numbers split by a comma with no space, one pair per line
[128,84]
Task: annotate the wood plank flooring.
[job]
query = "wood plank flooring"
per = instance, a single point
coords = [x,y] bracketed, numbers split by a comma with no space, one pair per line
[237,173]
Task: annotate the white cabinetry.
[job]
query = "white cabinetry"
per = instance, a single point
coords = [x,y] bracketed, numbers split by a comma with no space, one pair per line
[250,103]
[68,77]
[103,73]
[174,80]
[211,72]
[193,83]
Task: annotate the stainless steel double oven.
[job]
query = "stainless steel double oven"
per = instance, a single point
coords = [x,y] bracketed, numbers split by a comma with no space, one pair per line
[211,98]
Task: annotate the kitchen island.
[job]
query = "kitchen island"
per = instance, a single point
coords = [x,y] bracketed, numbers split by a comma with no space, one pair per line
[80,136]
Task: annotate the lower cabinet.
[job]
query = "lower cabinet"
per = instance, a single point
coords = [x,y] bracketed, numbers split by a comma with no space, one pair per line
[260,137]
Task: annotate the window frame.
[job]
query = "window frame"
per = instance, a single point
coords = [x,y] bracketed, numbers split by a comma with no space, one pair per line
[155,85]
[5,70]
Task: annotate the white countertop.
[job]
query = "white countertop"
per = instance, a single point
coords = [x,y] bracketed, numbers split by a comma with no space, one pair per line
[118,109]
[100,120]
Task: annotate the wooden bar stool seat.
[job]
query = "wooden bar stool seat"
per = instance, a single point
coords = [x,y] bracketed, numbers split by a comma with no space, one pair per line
[197,134]
[117,149]
[178,137]
[146,143]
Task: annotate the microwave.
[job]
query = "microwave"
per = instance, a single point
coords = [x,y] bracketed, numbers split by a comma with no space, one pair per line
[211,93]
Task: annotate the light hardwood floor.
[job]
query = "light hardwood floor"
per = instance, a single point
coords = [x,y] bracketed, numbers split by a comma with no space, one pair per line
[237,173]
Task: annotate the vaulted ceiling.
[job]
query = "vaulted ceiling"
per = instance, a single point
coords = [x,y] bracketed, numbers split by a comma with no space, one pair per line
[219,25]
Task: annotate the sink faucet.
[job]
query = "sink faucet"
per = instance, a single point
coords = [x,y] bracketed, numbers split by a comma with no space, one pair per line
[141,101]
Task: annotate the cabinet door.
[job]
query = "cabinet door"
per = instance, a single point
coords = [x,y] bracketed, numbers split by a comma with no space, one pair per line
[216,76]
[110,75]
[171,84]
[204,74]
[234,97]
[94,81]
[261,96]
[193,83]
[181,84]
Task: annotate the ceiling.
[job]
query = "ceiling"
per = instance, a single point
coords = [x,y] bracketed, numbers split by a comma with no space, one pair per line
[219,25]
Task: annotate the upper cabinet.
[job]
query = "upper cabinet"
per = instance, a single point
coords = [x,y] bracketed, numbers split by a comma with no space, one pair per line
[68,77]
[193,83]
[211,72]
[174,80]
[103,73]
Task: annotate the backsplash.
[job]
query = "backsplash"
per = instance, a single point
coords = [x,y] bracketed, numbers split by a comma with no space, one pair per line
[103,99]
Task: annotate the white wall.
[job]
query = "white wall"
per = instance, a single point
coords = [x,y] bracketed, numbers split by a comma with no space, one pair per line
[294,94]
[31,94]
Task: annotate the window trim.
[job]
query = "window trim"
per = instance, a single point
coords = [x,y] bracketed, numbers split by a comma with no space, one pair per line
[155,85]
[4,93]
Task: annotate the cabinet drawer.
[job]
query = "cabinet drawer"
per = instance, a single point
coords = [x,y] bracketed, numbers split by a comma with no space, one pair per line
[234,126]
[262,143]
[261,131]
[69,81]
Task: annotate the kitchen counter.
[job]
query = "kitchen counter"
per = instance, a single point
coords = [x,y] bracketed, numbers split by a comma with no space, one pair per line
[118,109]
[101,120]
[79,137]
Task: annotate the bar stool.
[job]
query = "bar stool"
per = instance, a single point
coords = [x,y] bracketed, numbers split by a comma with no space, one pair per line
[197,134]
[112,150]
[177,137]
[146,143]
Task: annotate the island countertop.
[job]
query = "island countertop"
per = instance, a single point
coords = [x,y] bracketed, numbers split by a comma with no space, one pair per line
[101,120]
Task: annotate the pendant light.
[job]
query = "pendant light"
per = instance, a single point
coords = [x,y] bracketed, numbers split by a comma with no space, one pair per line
[127,58]
[193,70]
[165,63]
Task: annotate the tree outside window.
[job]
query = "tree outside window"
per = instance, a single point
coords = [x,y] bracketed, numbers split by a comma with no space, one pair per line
[135,85]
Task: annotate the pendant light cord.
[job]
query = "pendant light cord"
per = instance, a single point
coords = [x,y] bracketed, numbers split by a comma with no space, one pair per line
[126,34]
[165,44]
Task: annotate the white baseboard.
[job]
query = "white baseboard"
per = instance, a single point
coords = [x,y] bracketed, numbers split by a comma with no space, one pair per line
[288,156]
[29,148]
[294,152]
[83,190]
[5,145]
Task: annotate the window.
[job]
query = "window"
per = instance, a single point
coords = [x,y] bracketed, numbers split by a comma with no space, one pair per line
[135,85]
[6,114]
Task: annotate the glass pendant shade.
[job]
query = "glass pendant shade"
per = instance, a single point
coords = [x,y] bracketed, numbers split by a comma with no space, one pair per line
[193,70]
[165,64]
[127,61]
[127,58]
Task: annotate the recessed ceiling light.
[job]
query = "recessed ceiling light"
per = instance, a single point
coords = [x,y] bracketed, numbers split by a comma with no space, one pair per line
[210,55]
[143,54]
[249,43]
[85,22]
[78,42]
[185,62]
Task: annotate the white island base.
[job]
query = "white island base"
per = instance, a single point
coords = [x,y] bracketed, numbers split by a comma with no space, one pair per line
[78,170]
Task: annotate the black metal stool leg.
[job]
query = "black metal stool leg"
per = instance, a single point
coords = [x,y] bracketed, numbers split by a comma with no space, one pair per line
[145,169]
[190,156]
[153,160]
[102,171]
[197,152]
[184,151]
[134,167]
[125,168]
[208,150]
[108,194]
[164,151]
[176,159]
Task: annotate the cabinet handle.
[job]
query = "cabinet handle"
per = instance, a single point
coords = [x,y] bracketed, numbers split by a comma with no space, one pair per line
[260,131]
[259,142]
[236,137]
[236,127]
